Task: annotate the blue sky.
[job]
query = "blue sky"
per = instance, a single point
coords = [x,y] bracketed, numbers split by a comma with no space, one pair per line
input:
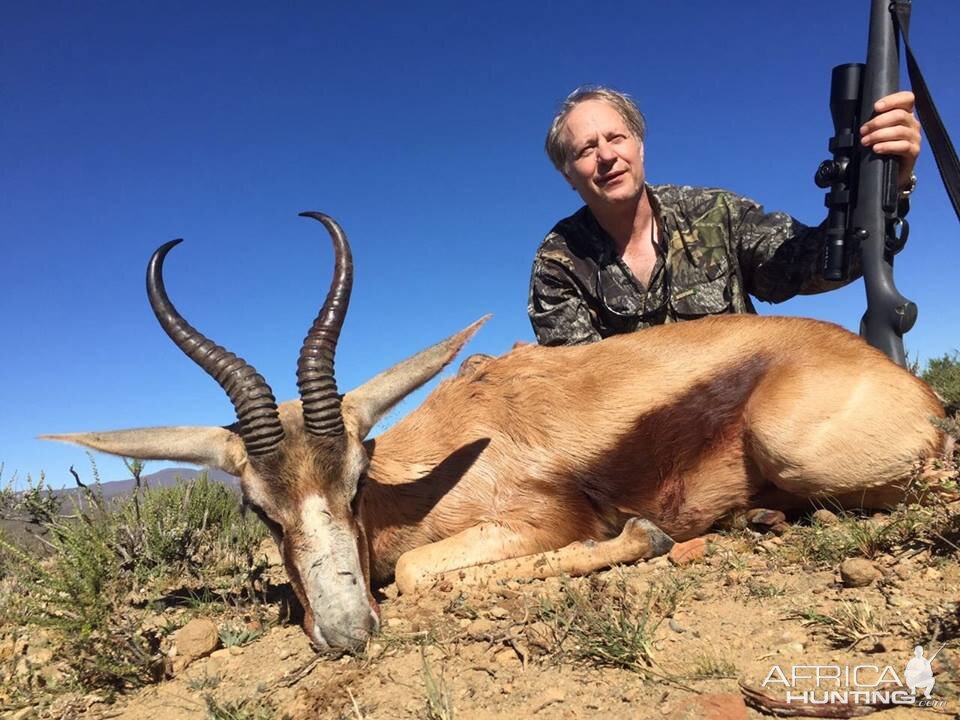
[420,127]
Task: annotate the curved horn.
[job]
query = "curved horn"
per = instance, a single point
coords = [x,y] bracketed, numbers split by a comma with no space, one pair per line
[251,396]
[315,378]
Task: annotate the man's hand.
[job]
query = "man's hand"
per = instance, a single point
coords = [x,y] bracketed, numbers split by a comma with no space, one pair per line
[894,131]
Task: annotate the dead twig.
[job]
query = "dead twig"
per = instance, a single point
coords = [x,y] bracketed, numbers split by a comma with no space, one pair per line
[295,676]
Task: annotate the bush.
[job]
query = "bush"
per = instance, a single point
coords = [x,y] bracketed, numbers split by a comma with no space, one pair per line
[943,375]
[195,529]
[106,551]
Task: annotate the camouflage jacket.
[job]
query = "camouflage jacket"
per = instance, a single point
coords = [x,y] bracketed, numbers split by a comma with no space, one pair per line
[716,249]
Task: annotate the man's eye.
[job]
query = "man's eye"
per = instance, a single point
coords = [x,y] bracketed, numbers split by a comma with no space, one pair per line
[585,151]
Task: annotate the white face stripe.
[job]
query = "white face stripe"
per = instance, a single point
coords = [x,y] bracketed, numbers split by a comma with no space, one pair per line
[329,564]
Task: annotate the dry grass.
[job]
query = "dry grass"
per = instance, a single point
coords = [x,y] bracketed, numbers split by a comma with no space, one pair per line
[605,624]
[439,702]
[849,624]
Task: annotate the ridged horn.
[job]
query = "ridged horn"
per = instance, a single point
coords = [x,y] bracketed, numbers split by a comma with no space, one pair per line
[252,398]
[315,377]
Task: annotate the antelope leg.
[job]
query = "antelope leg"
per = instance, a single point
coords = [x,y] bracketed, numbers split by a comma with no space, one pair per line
[640,539]
[483,543]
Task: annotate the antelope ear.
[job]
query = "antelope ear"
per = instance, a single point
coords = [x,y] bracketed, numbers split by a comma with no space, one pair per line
[369,402]
[209,446]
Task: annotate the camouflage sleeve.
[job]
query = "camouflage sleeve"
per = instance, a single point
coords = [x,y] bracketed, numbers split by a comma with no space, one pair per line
[558,312]
[779,256]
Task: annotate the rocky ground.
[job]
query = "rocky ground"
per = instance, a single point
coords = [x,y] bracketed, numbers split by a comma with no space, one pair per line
[675,637]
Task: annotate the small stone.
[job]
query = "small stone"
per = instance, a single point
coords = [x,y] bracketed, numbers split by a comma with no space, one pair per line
[899,602]
[766,518]
[773,542]
[221,654]
[374,650]
[905,570]
[498,613]
[197,639]
[235,650]
[390,591]
[857,572]
[676,627]
[396,622]
[790,648]
[825,517]
[507,658]
[688,552]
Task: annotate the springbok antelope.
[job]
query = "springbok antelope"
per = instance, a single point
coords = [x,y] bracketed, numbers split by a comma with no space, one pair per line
[556,456]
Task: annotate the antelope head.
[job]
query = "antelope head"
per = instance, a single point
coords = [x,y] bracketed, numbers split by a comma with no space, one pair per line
[301,465]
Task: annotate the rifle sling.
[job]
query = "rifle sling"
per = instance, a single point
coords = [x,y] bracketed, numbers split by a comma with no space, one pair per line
[943,151]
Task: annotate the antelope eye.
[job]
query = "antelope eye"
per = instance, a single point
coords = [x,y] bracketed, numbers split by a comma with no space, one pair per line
[275,527]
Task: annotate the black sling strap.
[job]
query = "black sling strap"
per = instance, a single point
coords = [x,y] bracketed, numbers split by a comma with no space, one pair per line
[943,151]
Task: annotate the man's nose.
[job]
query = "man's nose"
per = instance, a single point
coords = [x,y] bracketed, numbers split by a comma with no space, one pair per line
[605,152]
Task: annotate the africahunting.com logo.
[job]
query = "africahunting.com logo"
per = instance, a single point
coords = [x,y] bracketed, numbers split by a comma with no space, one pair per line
[858,684]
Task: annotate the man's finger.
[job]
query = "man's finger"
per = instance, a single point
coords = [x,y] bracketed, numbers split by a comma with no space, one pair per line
[890,118]
[898,132]
[897,147]
[903,99]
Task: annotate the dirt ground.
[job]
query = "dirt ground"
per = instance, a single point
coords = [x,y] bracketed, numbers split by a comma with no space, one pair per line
[651,640]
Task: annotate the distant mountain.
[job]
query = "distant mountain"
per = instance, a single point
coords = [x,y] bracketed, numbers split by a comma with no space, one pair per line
[165,478]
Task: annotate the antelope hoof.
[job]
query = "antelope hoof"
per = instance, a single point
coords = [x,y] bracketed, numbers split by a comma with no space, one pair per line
[642,530]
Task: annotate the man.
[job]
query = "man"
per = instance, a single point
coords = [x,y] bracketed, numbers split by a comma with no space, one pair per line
[639,255]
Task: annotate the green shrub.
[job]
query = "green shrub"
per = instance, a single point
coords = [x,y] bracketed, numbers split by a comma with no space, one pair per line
[105,551]
[194,528]
[943,375]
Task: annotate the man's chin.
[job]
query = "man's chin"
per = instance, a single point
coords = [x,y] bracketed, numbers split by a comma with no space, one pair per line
[621,195]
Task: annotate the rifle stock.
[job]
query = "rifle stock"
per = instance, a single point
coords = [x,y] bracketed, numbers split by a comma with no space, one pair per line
[863,215]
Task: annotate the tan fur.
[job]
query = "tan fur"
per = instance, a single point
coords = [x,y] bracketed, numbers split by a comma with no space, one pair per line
[680,424]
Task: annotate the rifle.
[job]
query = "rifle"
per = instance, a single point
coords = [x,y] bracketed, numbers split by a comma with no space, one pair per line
[862,204]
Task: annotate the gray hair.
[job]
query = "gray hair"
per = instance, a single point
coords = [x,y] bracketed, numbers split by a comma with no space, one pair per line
[557,150]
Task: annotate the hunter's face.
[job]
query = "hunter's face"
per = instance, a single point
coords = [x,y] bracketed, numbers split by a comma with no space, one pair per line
[606,158]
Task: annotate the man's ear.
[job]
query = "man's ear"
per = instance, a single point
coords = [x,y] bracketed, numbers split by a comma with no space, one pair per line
[363,407]
[208,446]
